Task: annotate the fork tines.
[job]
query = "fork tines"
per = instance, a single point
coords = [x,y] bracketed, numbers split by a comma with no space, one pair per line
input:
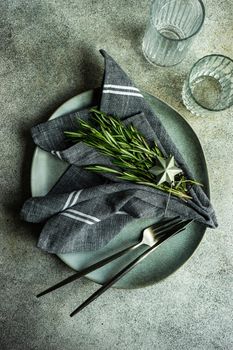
[167,226]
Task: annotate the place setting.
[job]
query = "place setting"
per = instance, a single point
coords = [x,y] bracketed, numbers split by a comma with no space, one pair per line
[118,177]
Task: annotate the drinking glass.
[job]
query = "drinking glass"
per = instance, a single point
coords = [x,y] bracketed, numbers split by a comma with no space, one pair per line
[209,86]
[172,26]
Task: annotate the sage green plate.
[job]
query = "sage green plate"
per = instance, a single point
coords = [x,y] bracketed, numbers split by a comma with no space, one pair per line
[168,257]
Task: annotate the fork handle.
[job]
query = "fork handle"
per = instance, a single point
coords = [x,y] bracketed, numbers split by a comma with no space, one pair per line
[90,268]
[123,272]
[114,279]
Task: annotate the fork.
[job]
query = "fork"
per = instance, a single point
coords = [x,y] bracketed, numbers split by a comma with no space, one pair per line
[172,232]
[150,236]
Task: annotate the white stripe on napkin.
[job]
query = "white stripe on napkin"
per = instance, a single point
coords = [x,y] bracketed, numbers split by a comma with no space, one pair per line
[120,87]
[121,213]
[56,153]
[78,218]
[76,198]
[83,214]
[59,155]
[115,92]
[67,203]
[73,195]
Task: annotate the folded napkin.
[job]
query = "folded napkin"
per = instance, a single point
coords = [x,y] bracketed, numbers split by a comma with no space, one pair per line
[84,211]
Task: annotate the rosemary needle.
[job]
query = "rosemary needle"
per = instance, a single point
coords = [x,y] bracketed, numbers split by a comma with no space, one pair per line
[130,153]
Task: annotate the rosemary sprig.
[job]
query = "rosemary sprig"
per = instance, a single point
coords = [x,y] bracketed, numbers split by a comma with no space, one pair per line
[130,153]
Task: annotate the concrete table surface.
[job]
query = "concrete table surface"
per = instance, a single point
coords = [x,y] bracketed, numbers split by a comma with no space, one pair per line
[49,53]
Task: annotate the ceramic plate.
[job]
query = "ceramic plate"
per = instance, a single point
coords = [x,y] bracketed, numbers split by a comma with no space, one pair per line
[169,256]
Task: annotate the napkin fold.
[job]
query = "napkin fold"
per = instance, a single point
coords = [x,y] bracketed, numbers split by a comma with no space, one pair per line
[84,211]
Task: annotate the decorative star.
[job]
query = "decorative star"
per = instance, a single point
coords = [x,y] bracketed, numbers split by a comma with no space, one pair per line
[166,170]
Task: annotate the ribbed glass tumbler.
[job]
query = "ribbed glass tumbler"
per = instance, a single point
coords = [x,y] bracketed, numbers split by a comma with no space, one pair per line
[171,29]
[209,86]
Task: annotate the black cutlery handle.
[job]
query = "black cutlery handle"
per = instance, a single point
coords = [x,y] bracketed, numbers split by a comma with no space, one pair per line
[89,269]
[124,271]
[114,279]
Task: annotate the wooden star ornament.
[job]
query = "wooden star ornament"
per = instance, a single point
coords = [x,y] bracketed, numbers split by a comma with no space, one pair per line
[166,170]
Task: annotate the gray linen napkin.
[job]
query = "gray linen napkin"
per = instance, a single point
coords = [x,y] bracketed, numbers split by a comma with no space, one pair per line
[84,211]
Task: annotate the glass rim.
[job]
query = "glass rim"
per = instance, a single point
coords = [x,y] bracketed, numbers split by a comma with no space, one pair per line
[181,39]
[189,76]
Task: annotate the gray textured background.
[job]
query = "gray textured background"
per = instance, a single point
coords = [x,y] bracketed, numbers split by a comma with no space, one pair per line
[49,53]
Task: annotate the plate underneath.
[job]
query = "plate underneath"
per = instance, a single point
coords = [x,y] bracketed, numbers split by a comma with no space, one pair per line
[169,256]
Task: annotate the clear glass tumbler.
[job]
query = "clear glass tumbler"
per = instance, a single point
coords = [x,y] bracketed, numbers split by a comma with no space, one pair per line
[171,29]
[209,86]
